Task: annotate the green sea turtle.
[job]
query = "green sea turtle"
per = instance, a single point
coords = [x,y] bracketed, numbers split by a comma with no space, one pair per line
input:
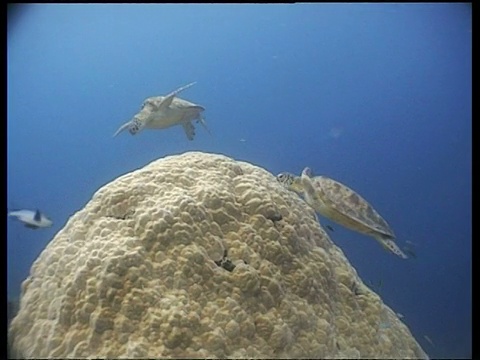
[160,112]
[342,205]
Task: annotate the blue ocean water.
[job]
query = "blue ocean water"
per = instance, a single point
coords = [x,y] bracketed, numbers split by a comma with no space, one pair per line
[377,96]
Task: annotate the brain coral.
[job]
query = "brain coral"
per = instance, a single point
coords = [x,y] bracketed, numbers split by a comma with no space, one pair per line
[199,255]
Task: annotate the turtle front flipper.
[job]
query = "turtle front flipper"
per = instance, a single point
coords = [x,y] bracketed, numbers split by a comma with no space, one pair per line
[307,172]
[167,100]
[189,129]
[134,126]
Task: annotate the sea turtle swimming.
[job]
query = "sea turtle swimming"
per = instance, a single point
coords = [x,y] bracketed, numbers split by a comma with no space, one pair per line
[160,112]
[342,205]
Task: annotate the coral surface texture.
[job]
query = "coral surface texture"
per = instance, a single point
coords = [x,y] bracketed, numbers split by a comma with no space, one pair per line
[201,256]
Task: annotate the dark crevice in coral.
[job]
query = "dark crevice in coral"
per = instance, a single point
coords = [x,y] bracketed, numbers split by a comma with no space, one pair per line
[275,217]
[225,262]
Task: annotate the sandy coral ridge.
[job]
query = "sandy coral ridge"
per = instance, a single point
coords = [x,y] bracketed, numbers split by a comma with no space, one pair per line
[199,255]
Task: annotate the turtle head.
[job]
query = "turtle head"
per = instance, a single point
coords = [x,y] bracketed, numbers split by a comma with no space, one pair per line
[290,181]
[134,126]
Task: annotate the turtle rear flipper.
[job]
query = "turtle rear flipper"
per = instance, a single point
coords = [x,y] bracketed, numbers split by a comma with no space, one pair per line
[189,129]
[390,245]
[201,120]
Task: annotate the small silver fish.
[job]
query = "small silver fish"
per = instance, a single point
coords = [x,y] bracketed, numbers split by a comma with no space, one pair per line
[32,219]
[429,340]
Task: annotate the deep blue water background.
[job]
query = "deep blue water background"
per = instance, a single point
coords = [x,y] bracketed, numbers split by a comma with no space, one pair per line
[377,96]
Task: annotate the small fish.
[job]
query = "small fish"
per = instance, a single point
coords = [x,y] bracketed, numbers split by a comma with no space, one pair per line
[31,219]
[242,140]
[335,132]
[429,340]
[330,228]
[400,316]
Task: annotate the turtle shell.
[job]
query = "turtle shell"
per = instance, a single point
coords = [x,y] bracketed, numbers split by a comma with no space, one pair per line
[344,206]
[179,111]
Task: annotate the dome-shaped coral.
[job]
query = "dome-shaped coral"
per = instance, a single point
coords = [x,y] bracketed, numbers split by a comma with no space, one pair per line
[198,255]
